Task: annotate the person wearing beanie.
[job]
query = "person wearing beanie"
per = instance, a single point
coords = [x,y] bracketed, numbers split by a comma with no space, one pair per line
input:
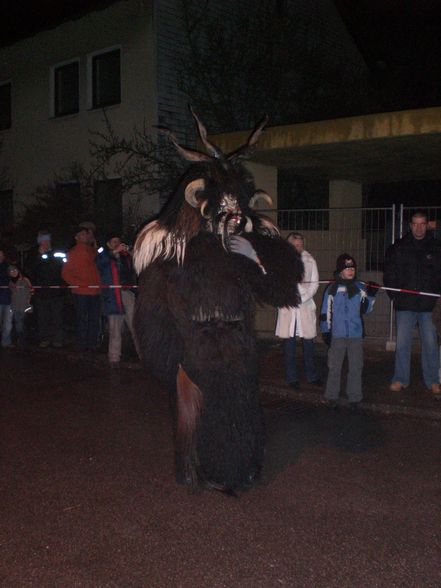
[43,267]
[116,269]
[344,302]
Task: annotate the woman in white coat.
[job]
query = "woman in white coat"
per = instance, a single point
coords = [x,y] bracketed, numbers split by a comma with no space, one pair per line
[300,321]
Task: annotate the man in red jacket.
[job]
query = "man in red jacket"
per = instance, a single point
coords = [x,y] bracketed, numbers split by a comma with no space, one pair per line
[80,271]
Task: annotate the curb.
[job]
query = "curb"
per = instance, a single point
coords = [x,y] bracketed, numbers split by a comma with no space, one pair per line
[313,399]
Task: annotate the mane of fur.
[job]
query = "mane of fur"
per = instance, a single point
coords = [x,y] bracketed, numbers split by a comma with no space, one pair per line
[155,241]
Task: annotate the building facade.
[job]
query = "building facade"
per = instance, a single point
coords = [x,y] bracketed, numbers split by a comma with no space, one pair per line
[125,60]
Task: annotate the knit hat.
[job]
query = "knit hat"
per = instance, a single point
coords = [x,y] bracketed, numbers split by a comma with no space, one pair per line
[88,225]
[344,261]
[111,234]
[43,236]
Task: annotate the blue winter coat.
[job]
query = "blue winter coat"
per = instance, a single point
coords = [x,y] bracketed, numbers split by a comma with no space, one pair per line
[342,315]
[5,292]
[114,271]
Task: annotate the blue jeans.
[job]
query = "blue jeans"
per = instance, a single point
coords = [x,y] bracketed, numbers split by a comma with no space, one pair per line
[289,351]
[88,317]
[406,322]
[6,324]
[19,322]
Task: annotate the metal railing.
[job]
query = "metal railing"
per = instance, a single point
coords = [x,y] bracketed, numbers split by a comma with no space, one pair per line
[364,233]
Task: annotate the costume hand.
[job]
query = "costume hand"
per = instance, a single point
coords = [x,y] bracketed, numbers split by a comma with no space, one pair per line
[372,288]
[243,247]
[327,338]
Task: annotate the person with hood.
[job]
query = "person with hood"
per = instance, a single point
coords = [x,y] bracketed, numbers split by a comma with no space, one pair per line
[414,263]
[116,269]
[344,302]
[300,321]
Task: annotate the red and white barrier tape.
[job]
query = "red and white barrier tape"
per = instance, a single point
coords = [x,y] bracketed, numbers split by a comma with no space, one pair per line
[117,286]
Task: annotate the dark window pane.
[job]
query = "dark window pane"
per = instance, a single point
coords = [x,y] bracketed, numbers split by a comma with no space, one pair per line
[69,196]
[106,82]
[108,205]
[6,208]
[5,106]
[66,89]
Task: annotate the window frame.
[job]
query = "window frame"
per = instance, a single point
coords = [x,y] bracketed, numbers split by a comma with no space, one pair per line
[90,77]
[53,98]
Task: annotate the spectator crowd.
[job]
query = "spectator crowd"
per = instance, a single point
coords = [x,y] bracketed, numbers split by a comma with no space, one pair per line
[101,285]
[100,282]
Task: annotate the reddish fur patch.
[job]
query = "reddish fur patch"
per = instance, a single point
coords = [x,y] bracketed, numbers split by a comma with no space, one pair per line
[189,405]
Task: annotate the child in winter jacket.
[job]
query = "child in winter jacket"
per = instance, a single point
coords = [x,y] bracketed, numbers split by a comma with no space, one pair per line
[341,324]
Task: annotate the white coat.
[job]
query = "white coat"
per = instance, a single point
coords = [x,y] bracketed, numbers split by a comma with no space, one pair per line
[301,321]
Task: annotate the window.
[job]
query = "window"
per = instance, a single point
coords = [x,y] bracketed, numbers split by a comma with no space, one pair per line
[66,89]
[5,106]
[69,193]
[108,204]
[106,78]
[6,208]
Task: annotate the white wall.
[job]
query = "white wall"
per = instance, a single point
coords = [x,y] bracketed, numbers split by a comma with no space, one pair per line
[38,146]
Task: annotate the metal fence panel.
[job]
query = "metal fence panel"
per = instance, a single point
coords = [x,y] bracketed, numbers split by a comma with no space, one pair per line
[364,233]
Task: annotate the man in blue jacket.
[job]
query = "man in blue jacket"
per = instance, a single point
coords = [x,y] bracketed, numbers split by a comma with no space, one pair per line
[341,324]
[115,266]
[414,263]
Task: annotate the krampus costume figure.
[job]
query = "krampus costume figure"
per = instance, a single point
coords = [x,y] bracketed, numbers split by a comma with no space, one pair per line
[203,265]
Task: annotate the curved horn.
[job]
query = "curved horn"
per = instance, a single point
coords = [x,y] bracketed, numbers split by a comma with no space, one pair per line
[190,192]
[268,225]
[211,149]
[203,207]
[260,195]
[187,154]
[249,225]
[255,135]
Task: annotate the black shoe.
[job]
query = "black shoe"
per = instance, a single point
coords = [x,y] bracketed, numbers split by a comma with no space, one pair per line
[317,383]
[294,385]
[332,404]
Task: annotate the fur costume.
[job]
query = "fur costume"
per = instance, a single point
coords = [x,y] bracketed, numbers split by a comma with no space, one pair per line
[195,312]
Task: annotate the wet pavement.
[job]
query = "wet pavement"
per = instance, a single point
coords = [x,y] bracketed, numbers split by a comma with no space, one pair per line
[88,497]
[415,401]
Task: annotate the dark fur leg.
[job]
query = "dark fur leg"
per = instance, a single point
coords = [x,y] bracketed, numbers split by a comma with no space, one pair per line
[188,407]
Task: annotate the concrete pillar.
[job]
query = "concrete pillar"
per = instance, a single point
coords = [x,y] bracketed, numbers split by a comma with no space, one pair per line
[265,178]
[344,194]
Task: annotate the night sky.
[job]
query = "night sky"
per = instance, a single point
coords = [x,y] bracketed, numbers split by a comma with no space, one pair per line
[400,40]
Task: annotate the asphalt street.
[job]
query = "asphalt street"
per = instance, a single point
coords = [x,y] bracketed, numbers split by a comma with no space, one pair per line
[88,497]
